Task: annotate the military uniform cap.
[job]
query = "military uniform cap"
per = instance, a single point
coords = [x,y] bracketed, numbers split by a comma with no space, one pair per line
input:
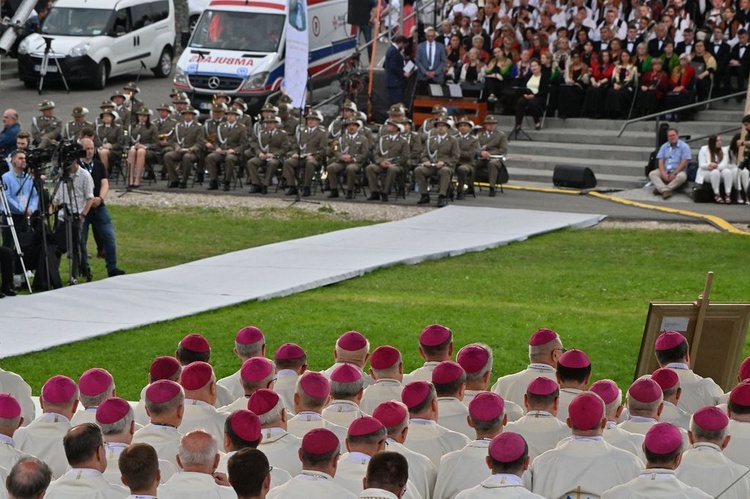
[144,111]
[219,107]
[181,98]
[46,104]
[285,99]
[190,109]
[236,112]
[314,115]
[352,121]
[118,93]
[405,120]
[272,119]
[439,110]
[106,103]
[132,87]
[165,107]
[350,106]
[241,102]
[111,112]
[222,95]
[284,108]
[397,109]
[490,118]
[466,121]
[269,108]
[396,124]
[174,92]
[79,111]
[443,119]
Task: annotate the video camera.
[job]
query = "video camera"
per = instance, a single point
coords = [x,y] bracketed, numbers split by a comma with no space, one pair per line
[68,153]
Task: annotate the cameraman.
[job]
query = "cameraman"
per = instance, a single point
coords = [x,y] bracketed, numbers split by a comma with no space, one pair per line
[23,200]
[98,216]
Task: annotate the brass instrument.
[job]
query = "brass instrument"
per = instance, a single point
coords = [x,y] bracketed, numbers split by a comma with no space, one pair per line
[211,138]
[164,136]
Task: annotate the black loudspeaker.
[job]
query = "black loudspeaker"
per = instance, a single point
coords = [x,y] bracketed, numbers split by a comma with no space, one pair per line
[359,13]
[576,177]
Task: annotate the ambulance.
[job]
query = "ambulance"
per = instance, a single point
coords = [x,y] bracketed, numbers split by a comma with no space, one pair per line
[237,47]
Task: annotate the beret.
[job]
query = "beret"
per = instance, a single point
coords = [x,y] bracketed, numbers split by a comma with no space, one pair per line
[366,425]
[607,390]
[245,425]
[384,357]
[542,386]
[346,373]
[667,378]
[319,441]
[740,395]
[262,401]
[434,335]
[58,389]
[351,341]
[249,335]
[9,406]
[195,343]
[711,418]
[574,359]
[447,372]
[663,438]
[486,406]
[391,413]
[645,390]
[507,447]
[586,411]
[415,393]
[315,385]
[162,391]
[112,410]
[94,382]
[745,369]
[163,368]
[668,339]
[473,358]
[289,351]
[542,337]
[196,375]
[255,369]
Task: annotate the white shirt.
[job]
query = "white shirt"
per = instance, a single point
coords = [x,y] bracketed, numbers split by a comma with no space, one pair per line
[192,485]
[164,439]
[201,415]
[87,415]
[377,494]
[705,467]
[285,386]
[383,390]
[513,386]
[432,440]
[423,373]
[281,449]
[112,473]
[311,485]
[15,385]
[352,468]
[499,486]
[566,397]
[452,414]
[278,475]
[342,412]
[654,484]
[541,430]
[462,469]
[303,422]
[589,465]
[422,471]
[512,410]
[617,437]
[737,450]
[85,483]
[697,392]
[9,455]
[43,439]
[232,384]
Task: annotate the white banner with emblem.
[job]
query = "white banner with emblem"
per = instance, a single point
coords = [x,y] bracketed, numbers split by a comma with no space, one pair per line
[297,42]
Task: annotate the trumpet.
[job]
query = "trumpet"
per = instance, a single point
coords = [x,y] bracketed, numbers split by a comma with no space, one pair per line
[211,138]
[164,136]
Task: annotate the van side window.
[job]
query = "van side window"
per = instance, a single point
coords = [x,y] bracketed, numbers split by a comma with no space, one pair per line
[141,15]
[122,22]
[159,10]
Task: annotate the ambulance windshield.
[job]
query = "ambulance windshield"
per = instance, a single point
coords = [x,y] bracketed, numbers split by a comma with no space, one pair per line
[243,31]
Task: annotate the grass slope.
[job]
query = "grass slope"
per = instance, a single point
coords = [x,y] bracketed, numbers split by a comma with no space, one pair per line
[592,286]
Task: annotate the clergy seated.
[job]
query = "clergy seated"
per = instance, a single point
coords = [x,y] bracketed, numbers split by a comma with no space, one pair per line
[29,477]
[291,363]
[669,382]
[249,342]
[95,385]
[613,434]
[387,369]
[10,420]
[165,404]
[249,473]
[347,387]
[351,348]
[139,467]
[256,373]
[386,478]
[312,395]
[739,424]
[199,382]
[573,374]
[435,346]
[280,447]
[449,380]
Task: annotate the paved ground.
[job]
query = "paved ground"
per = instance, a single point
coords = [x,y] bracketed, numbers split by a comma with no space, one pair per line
[155,91]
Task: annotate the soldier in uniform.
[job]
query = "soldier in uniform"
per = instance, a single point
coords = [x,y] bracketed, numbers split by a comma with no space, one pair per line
[269,147]
[440,155]
[164,125]
[45,129]
[468,147]
[180,102]
[429,124]
[134,105]
[106,105]
[231,139]
[348,111]
[364,129]
[145,141]
[310,148]
[222,98]
[73,128]
[396,112]
[211,125]
[493,143]
[289,123]
[108,137]
[415,143]
[352,149]
[123,111]
[390,157]
[189,144]
[244,118]
[267,111]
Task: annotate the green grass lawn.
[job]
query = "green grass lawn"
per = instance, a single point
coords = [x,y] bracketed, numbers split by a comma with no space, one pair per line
[591,286]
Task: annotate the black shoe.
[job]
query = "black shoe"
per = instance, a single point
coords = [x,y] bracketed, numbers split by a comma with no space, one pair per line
[164,174]
[88,275]
[470,191]
[492,192]
[349,194]
[333,194]
[255,189]
[264,189]
[461,196]
[306,192]
[115,272]
[374,196]
[183,185]
[134,186]
[173,185]
[442,201]
[149,176]
[226,187]
[384,197]
[8,292]
[292,191]
[213,185]
[424,199]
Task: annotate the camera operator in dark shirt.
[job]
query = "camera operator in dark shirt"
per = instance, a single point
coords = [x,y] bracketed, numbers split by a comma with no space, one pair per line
[98,216]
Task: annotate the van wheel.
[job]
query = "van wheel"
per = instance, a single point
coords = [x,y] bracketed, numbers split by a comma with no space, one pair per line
[100,76]
[164,68]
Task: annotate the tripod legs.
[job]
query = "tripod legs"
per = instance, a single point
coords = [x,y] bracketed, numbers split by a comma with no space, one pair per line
[43,71]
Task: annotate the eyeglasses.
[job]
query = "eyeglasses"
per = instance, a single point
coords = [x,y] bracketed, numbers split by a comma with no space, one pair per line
[562,350]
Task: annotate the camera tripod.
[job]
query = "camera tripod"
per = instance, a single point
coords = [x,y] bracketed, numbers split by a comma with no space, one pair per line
[71,219]
[12,227]
[44,66]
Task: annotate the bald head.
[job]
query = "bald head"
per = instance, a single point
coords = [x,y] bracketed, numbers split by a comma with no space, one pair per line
[10,117]
[198,452]
[28,479]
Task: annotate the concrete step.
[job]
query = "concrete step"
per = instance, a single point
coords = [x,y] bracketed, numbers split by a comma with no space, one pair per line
[544,177]
[603,137]
[8,68]
[727,115]
[731,105]
[506,123]
[597,152]
[614,166]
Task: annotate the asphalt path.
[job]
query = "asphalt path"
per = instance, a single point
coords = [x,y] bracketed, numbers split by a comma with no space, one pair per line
[156,91]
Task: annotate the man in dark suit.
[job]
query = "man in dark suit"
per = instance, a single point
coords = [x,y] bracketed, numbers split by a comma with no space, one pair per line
[739,62]
[430,60]
[395,77]
[688,42]
[656,45]
[631,41]
[721,51]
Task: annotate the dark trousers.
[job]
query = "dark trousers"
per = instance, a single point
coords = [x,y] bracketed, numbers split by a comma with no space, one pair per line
[101,223]
[533,106]
[21,224]
[6,268]
[396,95]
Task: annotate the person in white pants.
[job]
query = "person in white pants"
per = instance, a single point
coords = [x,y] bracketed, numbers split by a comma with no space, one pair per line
[713,165]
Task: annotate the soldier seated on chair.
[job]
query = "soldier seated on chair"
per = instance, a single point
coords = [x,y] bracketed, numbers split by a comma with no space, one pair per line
[439,157]
[74,127]
[391,158]
[351,152]
[309,153]
[108,137]
[45,129]
[493,144]
[231,139]
[189,144]
[268,149]
[468,147]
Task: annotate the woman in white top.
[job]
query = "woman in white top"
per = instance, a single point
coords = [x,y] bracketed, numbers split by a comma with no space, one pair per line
[713,165]
[741,175]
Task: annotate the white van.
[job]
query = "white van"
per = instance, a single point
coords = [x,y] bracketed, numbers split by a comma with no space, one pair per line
[237,47]
[96,39]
